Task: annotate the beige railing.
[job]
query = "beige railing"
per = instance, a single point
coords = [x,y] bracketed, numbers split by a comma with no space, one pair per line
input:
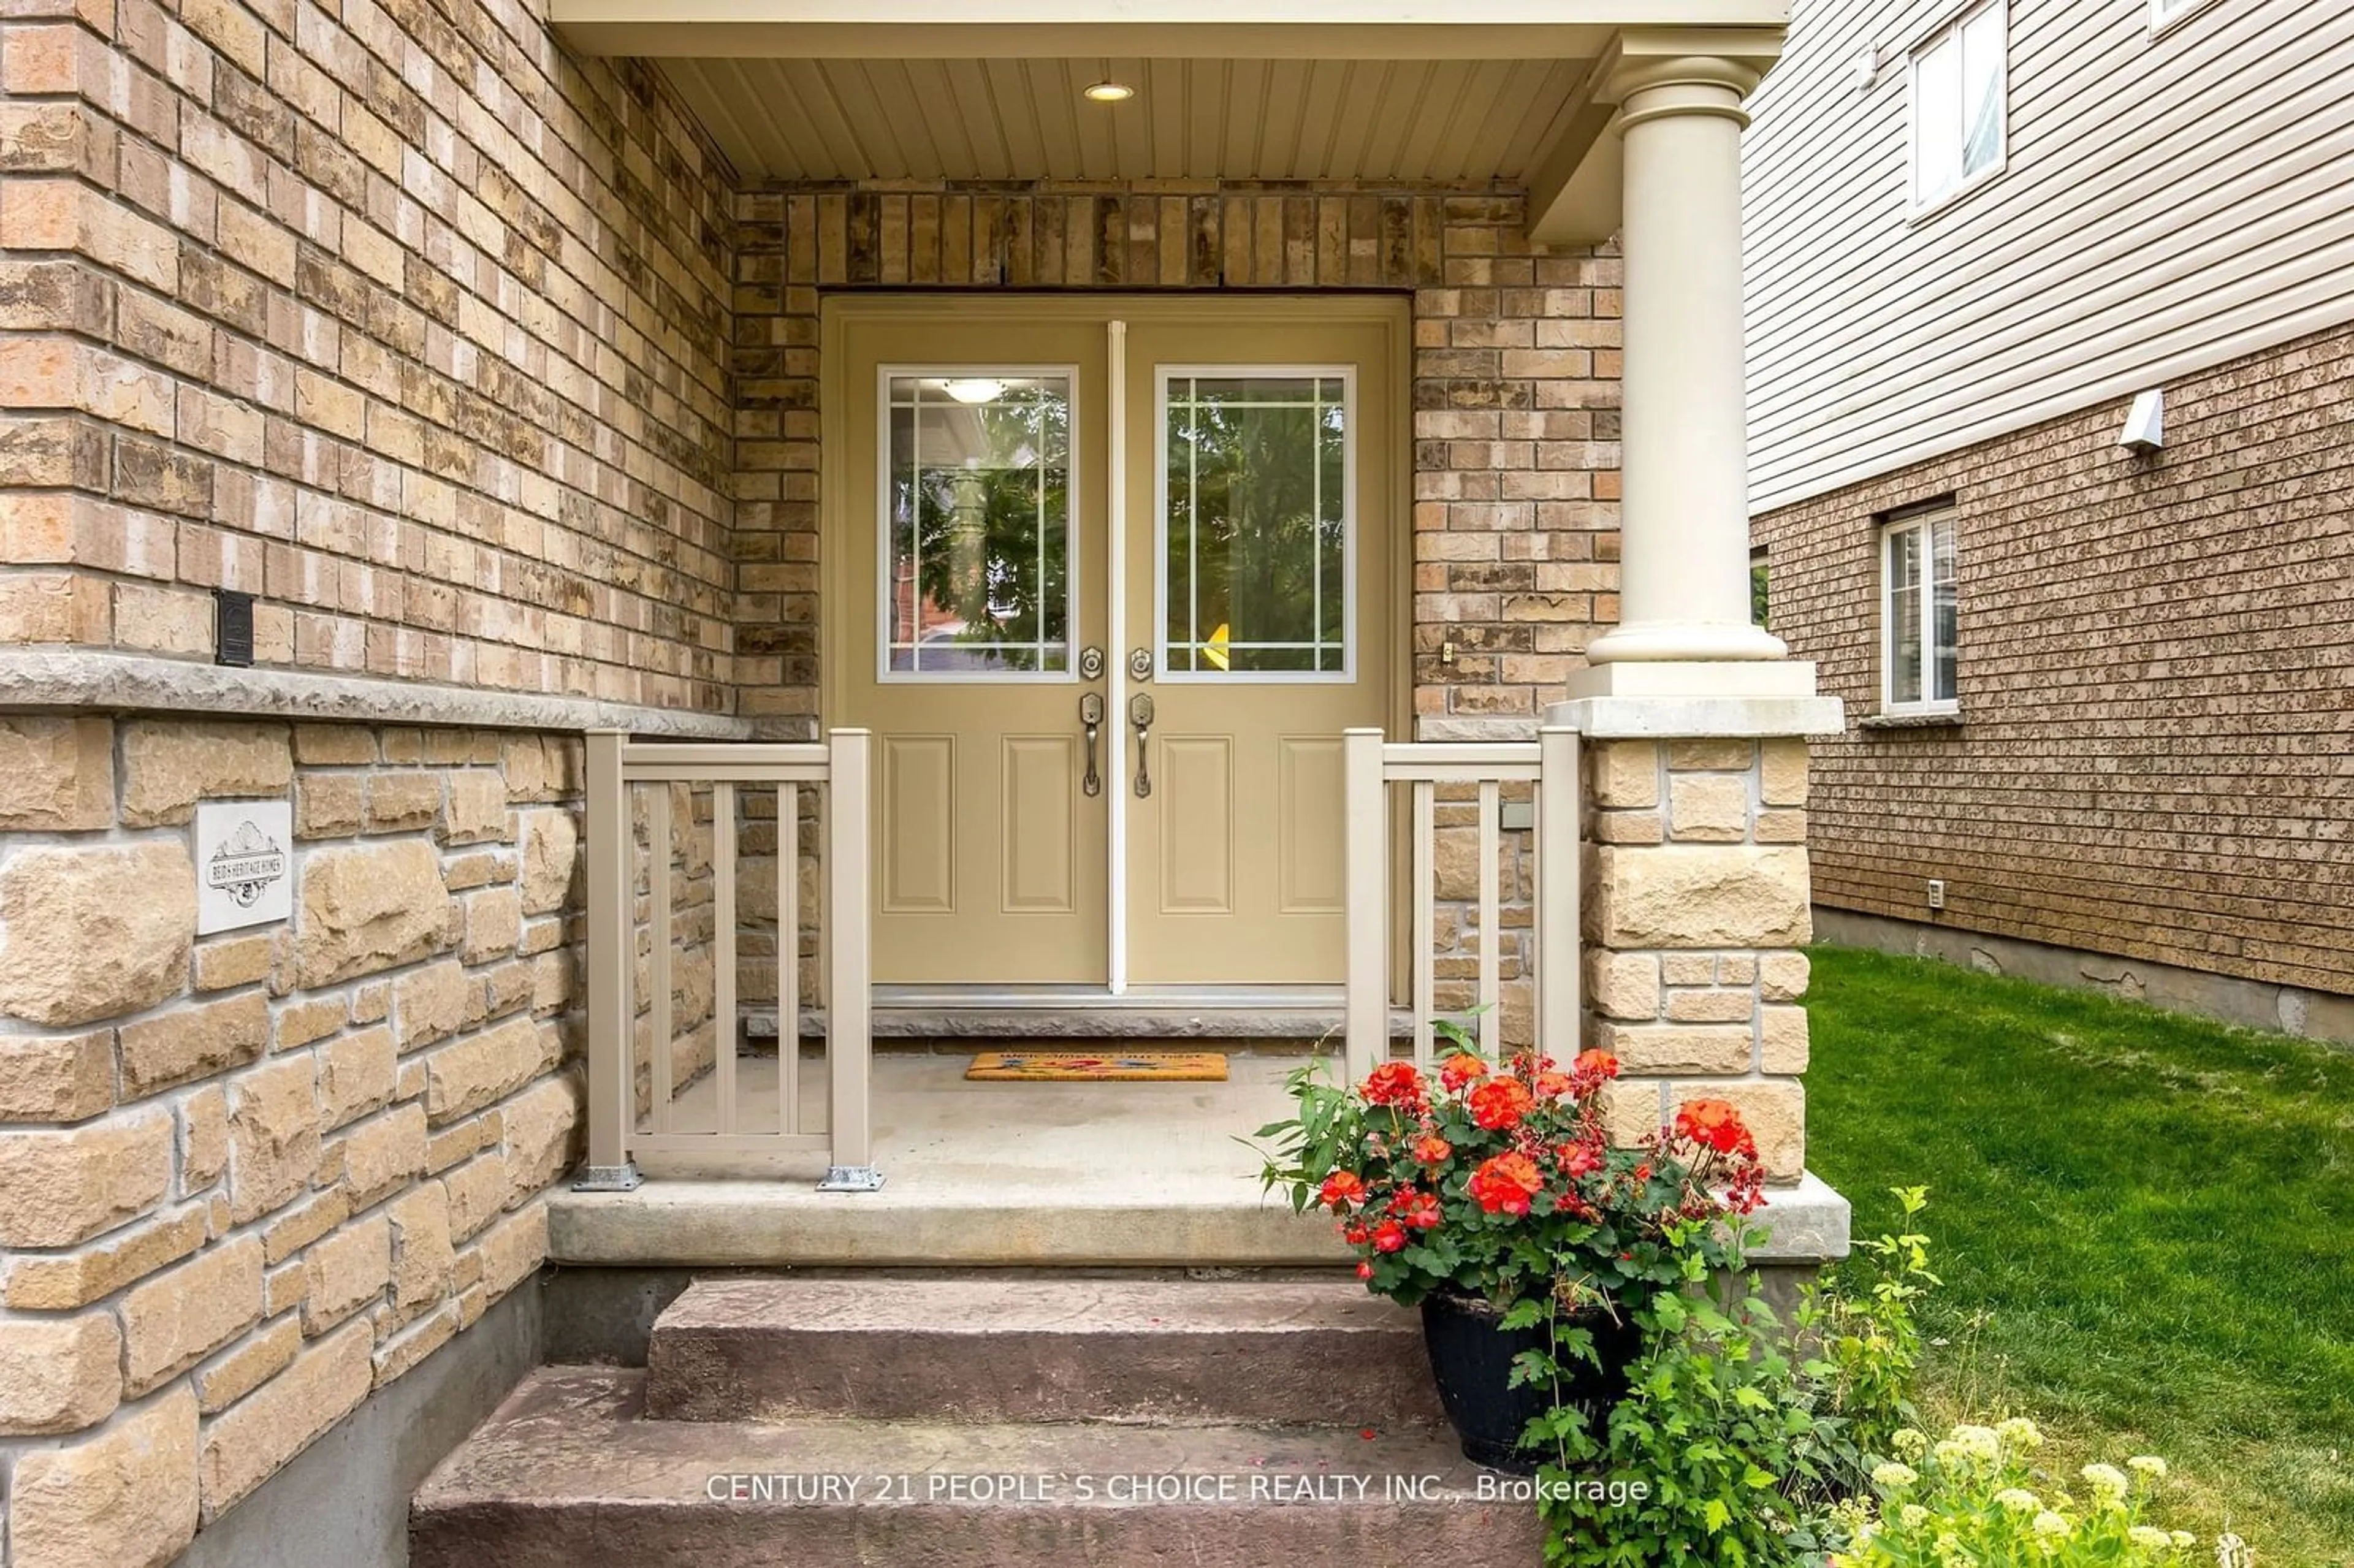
[1379,773]
[635,1106]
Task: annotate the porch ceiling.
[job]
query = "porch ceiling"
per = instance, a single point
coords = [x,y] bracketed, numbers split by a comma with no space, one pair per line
[1367,90]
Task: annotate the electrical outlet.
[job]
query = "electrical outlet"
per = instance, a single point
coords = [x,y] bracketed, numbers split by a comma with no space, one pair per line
[1937,893]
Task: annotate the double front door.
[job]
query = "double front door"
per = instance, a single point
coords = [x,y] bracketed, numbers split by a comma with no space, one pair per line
[1112,577]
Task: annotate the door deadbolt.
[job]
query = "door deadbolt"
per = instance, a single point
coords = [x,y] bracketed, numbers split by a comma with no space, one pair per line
[1091,664]
[1140,665]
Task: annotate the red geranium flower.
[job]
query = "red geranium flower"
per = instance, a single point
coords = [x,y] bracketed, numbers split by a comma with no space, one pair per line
[1506,1183]
[1716,1124]
[1389,1236]
[1364,1271]
[1431,1148]
[1578,1160]
[1551,1086]
[1499,1104]
[1393,1084]
[1460,1069]
[1596,1063]
[1341,1189]
[1422,1212]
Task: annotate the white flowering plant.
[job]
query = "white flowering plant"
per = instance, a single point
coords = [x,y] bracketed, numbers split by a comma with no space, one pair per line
[1974,1499]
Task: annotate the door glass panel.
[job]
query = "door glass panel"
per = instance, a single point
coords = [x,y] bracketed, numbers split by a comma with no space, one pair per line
[977,512]
[1254,530]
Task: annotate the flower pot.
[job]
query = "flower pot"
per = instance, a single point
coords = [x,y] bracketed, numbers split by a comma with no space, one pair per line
[1471,1357]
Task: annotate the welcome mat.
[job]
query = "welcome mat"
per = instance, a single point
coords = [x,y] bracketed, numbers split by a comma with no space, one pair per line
[1130,1066]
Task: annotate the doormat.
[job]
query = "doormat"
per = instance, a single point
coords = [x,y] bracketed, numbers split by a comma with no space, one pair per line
[1132,1066]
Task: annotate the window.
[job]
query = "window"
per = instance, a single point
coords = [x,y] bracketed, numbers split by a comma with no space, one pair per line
[1255,523]
[2164,13]
[1957,105]
[976,536]
[1916,613]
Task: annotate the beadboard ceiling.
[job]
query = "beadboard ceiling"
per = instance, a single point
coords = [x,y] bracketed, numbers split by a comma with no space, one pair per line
[971,119]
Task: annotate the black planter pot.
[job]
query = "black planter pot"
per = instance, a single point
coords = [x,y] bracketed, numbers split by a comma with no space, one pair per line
[1471,1358]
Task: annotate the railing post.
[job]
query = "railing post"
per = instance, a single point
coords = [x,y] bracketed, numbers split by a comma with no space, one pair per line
[849,927]
[1365,1030]
[1560,932]
[611,956]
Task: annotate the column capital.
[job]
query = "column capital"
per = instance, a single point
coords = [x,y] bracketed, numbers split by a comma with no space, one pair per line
[1718,60]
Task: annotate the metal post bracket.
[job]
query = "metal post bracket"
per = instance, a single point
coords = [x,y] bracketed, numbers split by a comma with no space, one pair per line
[852,1179]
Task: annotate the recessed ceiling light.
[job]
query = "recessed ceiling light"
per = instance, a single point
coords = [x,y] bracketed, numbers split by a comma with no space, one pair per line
[974,390]
[1110,92]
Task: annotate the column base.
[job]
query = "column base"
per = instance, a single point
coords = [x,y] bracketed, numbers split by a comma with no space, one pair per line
[1686,642]
[1660,701]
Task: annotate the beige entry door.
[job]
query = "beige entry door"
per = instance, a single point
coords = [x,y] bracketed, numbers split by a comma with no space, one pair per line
[1171,518]
[1261,486]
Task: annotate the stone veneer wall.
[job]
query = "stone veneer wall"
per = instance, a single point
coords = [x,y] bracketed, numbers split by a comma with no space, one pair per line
[2151,757]
[1696,915]
[254,1177]
[393,314]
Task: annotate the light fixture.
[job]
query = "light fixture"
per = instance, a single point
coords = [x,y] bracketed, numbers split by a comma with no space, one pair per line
[974,390]
[1109,91]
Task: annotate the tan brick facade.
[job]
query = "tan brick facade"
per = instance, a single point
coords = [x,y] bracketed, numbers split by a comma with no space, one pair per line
[398,316]
[2153,676]
[1515,392]
[254,1177]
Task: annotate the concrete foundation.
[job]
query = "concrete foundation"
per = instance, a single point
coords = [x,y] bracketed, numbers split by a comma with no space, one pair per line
[344,1500]
[2253,1004]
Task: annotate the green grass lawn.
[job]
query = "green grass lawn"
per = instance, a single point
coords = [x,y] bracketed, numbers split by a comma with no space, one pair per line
[2145,1222]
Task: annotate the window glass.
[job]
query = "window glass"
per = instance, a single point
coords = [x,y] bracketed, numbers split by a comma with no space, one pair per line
[1957,104]
[978,520]
[1943,631]
[1254,537]
[1903,615]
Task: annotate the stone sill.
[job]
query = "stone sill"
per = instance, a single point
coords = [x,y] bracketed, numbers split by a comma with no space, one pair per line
[84,681]
[1910,721]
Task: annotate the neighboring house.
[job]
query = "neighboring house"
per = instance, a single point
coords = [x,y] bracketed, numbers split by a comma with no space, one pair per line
[1083,413]
[2101,698]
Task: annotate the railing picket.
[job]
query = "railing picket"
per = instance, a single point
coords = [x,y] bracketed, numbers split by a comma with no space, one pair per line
[1491,991]
[1425,916]
[1556,937]
[723,1022]
[789,959]
[661,1019]
[848,1045]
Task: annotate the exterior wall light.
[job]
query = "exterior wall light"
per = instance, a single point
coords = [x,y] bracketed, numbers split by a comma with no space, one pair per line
[1110,92]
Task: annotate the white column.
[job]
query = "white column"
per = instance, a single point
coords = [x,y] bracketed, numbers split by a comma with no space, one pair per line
[1684,564]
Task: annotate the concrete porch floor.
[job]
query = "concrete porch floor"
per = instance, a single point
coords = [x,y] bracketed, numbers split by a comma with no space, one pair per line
[1146,1175]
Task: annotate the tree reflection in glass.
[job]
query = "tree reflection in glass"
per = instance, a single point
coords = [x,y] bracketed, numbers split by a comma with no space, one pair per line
[978,507]
[1257,534]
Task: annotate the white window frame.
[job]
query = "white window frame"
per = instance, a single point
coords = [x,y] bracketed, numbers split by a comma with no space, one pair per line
[1949,31]
[884,674]
[1164,377]
[1920,520]
[2164,18]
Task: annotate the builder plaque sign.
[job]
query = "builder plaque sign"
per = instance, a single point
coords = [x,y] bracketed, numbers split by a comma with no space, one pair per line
[244,865]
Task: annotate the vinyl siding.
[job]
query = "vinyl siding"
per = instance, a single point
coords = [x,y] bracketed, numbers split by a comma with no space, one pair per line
[2169,203]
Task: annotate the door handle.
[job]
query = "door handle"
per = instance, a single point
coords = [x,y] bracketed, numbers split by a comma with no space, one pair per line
[1091,714]
[1139,714]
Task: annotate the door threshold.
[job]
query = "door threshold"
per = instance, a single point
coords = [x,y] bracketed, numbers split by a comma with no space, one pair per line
[1232,1013]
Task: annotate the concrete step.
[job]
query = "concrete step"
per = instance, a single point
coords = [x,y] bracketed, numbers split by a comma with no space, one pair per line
[1318,1351]
[568,1473]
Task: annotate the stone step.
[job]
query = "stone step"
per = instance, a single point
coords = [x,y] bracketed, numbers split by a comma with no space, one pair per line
[1310,1352]
[568,1473]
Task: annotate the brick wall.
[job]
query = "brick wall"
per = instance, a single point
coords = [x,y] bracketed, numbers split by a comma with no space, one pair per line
[393,314]
[1515,390]
[2153,676]
[255,1177]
